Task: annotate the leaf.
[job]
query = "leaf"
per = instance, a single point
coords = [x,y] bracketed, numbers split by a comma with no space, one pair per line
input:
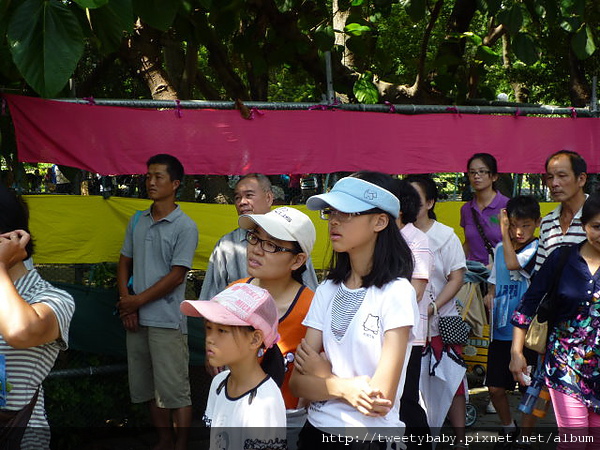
[364,90]
[511,18]
[583,43]
[571,24]
[356,29]
[91,4]
[493,6]
[525,48]
[572,7]
[486,55]
[158,14]
[415,9]
[110,22]
[324,38]
[472,37]
[46,43]
[357,2]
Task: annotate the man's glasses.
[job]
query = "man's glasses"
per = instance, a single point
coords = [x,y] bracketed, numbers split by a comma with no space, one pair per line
[480,172]
[329,214]
[267,246]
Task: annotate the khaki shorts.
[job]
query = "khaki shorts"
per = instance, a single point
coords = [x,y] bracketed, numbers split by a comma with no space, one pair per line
[158,360]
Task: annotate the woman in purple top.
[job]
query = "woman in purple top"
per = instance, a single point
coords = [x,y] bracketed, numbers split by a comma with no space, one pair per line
[480,216]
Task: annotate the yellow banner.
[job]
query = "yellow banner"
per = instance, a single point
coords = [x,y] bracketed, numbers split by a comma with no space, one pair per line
[71,229]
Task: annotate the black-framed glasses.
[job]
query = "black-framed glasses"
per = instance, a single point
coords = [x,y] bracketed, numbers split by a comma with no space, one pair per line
[480,172]
[267,246]
[330,213]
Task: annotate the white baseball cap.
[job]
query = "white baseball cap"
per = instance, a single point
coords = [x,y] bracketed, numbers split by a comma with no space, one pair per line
[287,224]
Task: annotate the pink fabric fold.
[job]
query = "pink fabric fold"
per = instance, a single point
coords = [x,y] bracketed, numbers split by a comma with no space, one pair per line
[116,140]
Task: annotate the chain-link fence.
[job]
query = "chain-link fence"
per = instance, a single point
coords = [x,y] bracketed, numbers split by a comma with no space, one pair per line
[87,392]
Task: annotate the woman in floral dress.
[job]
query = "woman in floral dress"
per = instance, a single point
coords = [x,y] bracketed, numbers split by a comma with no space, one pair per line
[573,351]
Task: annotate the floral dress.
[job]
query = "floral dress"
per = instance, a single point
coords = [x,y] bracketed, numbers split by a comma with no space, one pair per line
[572,359]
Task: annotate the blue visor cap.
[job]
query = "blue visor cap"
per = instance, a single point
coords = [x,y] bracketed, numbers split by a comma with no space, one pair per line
[352,195]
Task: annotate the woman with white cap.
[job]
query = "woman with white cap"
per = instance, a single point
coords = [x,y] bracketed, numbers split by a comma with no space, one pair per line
[361,317]
[279,244]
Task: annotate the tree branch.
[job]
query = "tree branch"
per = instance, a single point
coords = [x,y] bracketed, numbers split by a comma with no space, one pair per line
[435,13]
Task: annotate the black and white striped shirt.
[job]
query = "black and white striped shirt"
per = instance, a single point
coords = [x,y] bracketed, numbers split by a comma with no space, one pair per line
[27,368]
[552,237]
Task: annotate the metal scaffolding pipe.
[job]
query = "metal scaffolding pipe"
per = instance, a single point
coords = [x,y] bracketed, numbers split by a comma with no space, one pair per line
[490,108]
[87,371]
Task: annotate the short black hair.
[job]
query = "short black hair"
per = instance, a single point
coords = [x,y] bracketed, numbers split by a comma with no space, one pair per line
[174,166]
[523,207]
[591,208]
[578,164]
[410,202]
[15,215]
[392,257]
[429,188]
[487,159]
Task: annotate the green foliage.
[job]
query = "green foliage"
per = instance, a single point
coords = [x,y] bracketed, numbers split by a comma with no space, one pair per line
[356,29]
[91,4]
[157,13]
[364,89]
[110,23]
[416,9]
[46,42]
[583,42]
[525,48]
[51,41]
[511,18]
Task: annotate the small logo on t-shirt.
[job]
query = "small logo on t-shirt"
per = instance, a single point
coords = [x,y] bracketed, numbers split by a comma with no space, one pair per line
[371,324]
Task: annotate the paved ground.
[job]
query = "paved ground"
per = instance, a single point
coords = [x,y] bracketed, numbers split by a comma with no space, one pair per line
[483,433]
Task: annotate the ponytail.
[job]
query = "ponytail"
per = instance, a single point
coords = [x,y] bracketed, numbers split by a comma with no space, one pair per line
[272,364]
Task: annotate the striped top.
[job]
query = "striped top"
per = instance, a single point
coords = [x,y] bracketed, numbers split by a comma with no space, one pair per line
[27,368]
[345,304]
[552,237]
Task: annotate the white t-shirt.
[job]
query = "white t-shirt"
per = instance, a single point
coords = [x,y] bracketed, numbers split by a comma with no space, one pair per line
[418,242]
[255,419]
[448,256]
[358,351]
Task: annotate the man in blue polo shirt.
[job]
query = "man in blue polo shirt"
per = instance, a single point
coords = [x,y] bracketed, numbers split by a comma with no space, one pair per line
[158,250]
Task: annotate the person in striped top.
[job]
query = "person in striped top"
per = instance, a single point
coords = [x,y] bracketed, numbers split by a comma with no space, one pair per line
[35,327]
[566,175]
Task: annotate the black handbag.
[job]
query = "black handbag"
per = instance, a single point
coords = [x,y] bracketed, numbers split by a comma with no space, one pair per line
[14,423]
[454,330]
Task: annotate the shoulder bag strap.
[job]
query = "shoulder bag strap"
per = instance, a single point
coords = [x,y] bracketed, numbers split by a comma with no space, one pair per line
[552,292]
[488,245]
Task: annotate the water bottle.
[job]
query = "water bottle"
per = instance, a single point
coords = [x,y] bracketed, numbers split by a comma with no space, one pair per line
[531,395]
[542,403]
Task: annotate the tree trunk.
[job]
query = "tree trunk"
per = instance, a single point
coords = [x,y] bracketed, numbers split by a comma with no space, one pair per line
[579,88]
[520,90]
[143,52]
[459,22]
[339,22]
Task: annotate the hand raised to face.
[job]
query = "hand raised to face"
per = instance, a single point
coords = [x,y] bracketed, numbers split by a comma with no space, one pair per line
[12,247]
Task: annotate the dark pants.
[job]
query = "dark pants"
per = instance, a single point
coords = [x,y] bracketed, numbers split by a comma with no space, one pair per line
[411,413]
[312,438]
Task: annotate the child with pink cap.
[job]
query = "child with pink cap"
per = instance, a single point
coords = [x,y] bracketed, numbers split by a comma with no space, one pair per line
[245,408]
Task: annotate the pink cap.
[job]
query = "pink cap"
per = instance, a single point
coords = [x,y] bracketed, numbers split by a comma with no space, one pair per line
[242,304]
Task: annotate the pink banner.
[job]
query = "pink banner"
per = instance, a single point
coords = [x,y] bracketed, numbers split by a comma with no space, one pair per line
[115,140]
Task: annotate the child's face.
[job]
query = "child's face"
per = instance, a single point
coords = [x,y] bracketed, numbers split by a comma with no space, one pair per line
[521,230]
[226,345]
